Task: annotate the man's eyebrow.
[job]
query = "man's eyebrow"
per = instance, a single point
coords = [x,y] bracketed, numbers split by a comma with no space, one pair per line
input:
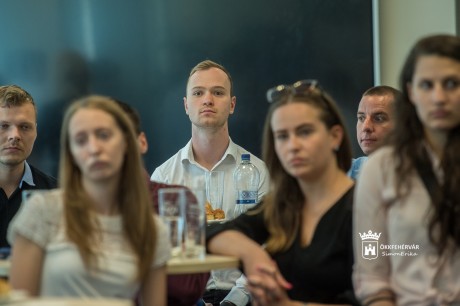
[212,87]
[196,87]
[379,113]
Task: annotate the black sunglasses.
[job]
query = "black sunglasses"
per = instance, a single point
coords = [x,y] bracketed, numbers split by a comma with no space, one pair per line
[302,87]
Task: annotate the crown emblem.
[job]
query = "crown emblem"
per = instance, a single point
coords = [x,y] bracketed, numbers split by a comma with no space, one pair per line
[370,235]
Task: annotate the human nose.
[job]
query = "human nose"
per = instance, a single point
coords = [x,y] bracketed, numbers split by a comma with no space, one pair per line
[293,142]
[14,134]
[367,125]
[208,98]
[439,94]
[93,145]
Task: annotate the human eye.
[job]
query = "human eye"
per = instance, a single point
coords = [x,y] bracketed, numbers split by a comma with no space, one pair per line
[451,83]
[197,93]
[425,85]
[4,126]
[219,93]
[281,136]
[361,117]
[304,131]
[380,118]
[104,134]
[25,127]
[80,140]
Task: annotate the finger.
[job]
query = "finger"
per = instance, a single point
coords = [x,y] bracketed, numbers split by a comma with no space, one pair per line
[276,275]
[257,290]
[265,290]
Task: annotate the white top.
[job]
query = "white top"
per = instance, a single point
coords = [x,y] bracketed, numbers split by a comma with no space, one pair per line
[41,220]
[182,169]
[407,262]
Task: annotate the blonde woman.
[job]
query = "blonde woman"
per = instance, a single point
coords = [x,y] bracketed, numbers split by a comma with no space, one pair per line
[96,236]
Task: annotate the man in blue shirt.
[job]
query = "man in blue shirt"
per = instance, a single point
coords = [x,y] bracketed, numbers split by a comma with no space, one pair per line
[374,122]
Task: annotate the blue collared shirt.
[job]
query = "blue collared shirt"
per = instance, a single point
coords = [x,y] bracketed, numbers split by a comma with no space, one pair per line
[356,165]
[27,177]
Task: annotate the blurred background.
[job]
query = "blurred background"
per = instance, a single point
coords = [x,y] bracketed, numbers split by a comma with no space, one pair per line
[141,52]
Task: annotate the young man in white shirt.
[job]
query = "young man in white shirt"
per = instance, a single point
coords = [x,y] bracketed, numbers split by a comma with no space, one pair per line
[209,102]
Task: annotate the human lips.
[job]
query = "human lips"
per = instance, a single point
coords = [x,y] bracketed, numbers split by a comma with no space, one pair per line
[98,165]
[368,141]
[207,111]
[297,161]
[439,113]
[12,149]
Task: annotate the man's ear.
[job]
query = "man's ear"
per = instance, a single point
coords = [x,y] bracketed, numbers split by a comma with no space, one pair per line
[185,105]
[232,104]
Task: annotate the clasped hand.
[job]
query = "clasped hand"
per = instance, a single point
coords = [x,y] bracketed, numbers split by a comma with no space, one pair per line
[267,286]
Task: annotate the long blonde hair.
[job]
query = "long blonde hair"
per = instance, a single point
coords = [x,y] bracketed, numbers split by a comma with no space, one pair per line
[135,203]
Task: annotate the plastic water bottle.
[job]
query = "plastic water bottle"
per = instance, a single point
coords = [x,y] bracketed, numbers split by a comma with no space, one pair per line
[246,179]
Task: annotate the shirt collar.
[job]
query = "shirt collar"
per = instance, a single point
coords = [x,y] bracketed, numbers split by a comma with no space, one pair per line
[187,153]
[27,177]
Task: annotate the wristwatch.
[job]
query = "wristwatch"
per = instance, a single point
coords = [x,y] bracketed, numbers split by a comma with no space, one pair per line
[226,303]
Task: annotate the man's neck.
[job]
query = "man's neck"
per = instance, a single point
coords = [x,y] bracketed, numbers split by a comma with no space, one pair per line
[10,176]
[209,145]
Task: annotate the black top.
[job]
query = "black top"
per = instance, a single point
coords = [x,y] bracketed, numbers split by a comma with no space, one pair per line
[10,206]
[320,272]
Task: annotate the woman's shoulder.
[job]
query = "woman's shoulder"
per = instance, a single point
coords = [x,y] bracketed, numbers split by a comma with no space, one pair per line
[49,201]
[383,154]
[380,166]
[39,217]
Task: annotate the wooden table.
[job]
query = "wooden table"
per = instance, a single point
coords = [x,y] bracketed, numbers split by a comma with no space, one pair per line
[210,262]
[175,265]
[39,301]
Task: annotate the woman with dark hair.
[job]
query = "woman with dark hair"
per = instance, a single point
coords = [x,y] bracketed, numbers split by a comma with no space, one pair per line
[407,198]
[304,223]
[97,235]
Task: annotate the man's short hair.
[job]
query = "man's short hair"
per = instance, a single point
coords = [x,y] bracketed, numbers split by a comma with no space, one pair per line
[208,64]
[15,96]
[132,114]
[383,90]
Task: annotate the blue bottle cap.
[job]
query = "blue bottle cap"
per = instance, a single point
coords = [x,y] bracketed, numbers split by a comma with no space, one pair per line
[245,156]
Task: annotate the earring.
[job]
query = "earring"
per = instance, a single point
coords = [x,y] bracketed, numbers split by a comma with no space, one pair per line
[336,149]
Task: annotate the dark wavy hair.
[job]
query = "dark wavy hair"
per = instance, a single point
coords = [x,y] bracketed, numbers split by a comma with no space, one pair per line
[282,205]
[408,140]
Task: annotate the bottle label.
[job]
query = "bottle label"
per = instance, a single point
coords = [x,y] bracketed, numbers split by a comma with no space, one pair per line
[246,197]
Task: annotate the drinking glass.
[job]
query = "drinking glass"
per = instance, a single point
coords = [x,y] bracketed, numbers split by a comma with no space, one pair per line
[171,204]
[195,224]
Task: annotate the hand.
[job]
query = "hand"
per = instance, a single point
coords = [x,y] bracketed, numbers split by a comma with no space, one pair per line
[268,287]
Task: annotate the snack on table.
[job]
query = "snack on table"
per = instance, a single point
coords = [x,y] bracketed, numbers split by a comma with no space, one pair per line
[219,214]
[214,214]
[4,289]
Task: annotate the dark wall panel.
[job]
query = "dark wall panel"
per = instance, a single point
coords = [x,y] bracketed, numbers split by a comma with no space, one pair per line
[142,51]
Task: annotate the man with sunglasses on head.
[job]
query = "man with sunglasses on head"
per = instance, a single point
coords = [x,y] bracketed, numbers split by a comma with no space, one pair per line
[375,118]
[209,102]
[18,131]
